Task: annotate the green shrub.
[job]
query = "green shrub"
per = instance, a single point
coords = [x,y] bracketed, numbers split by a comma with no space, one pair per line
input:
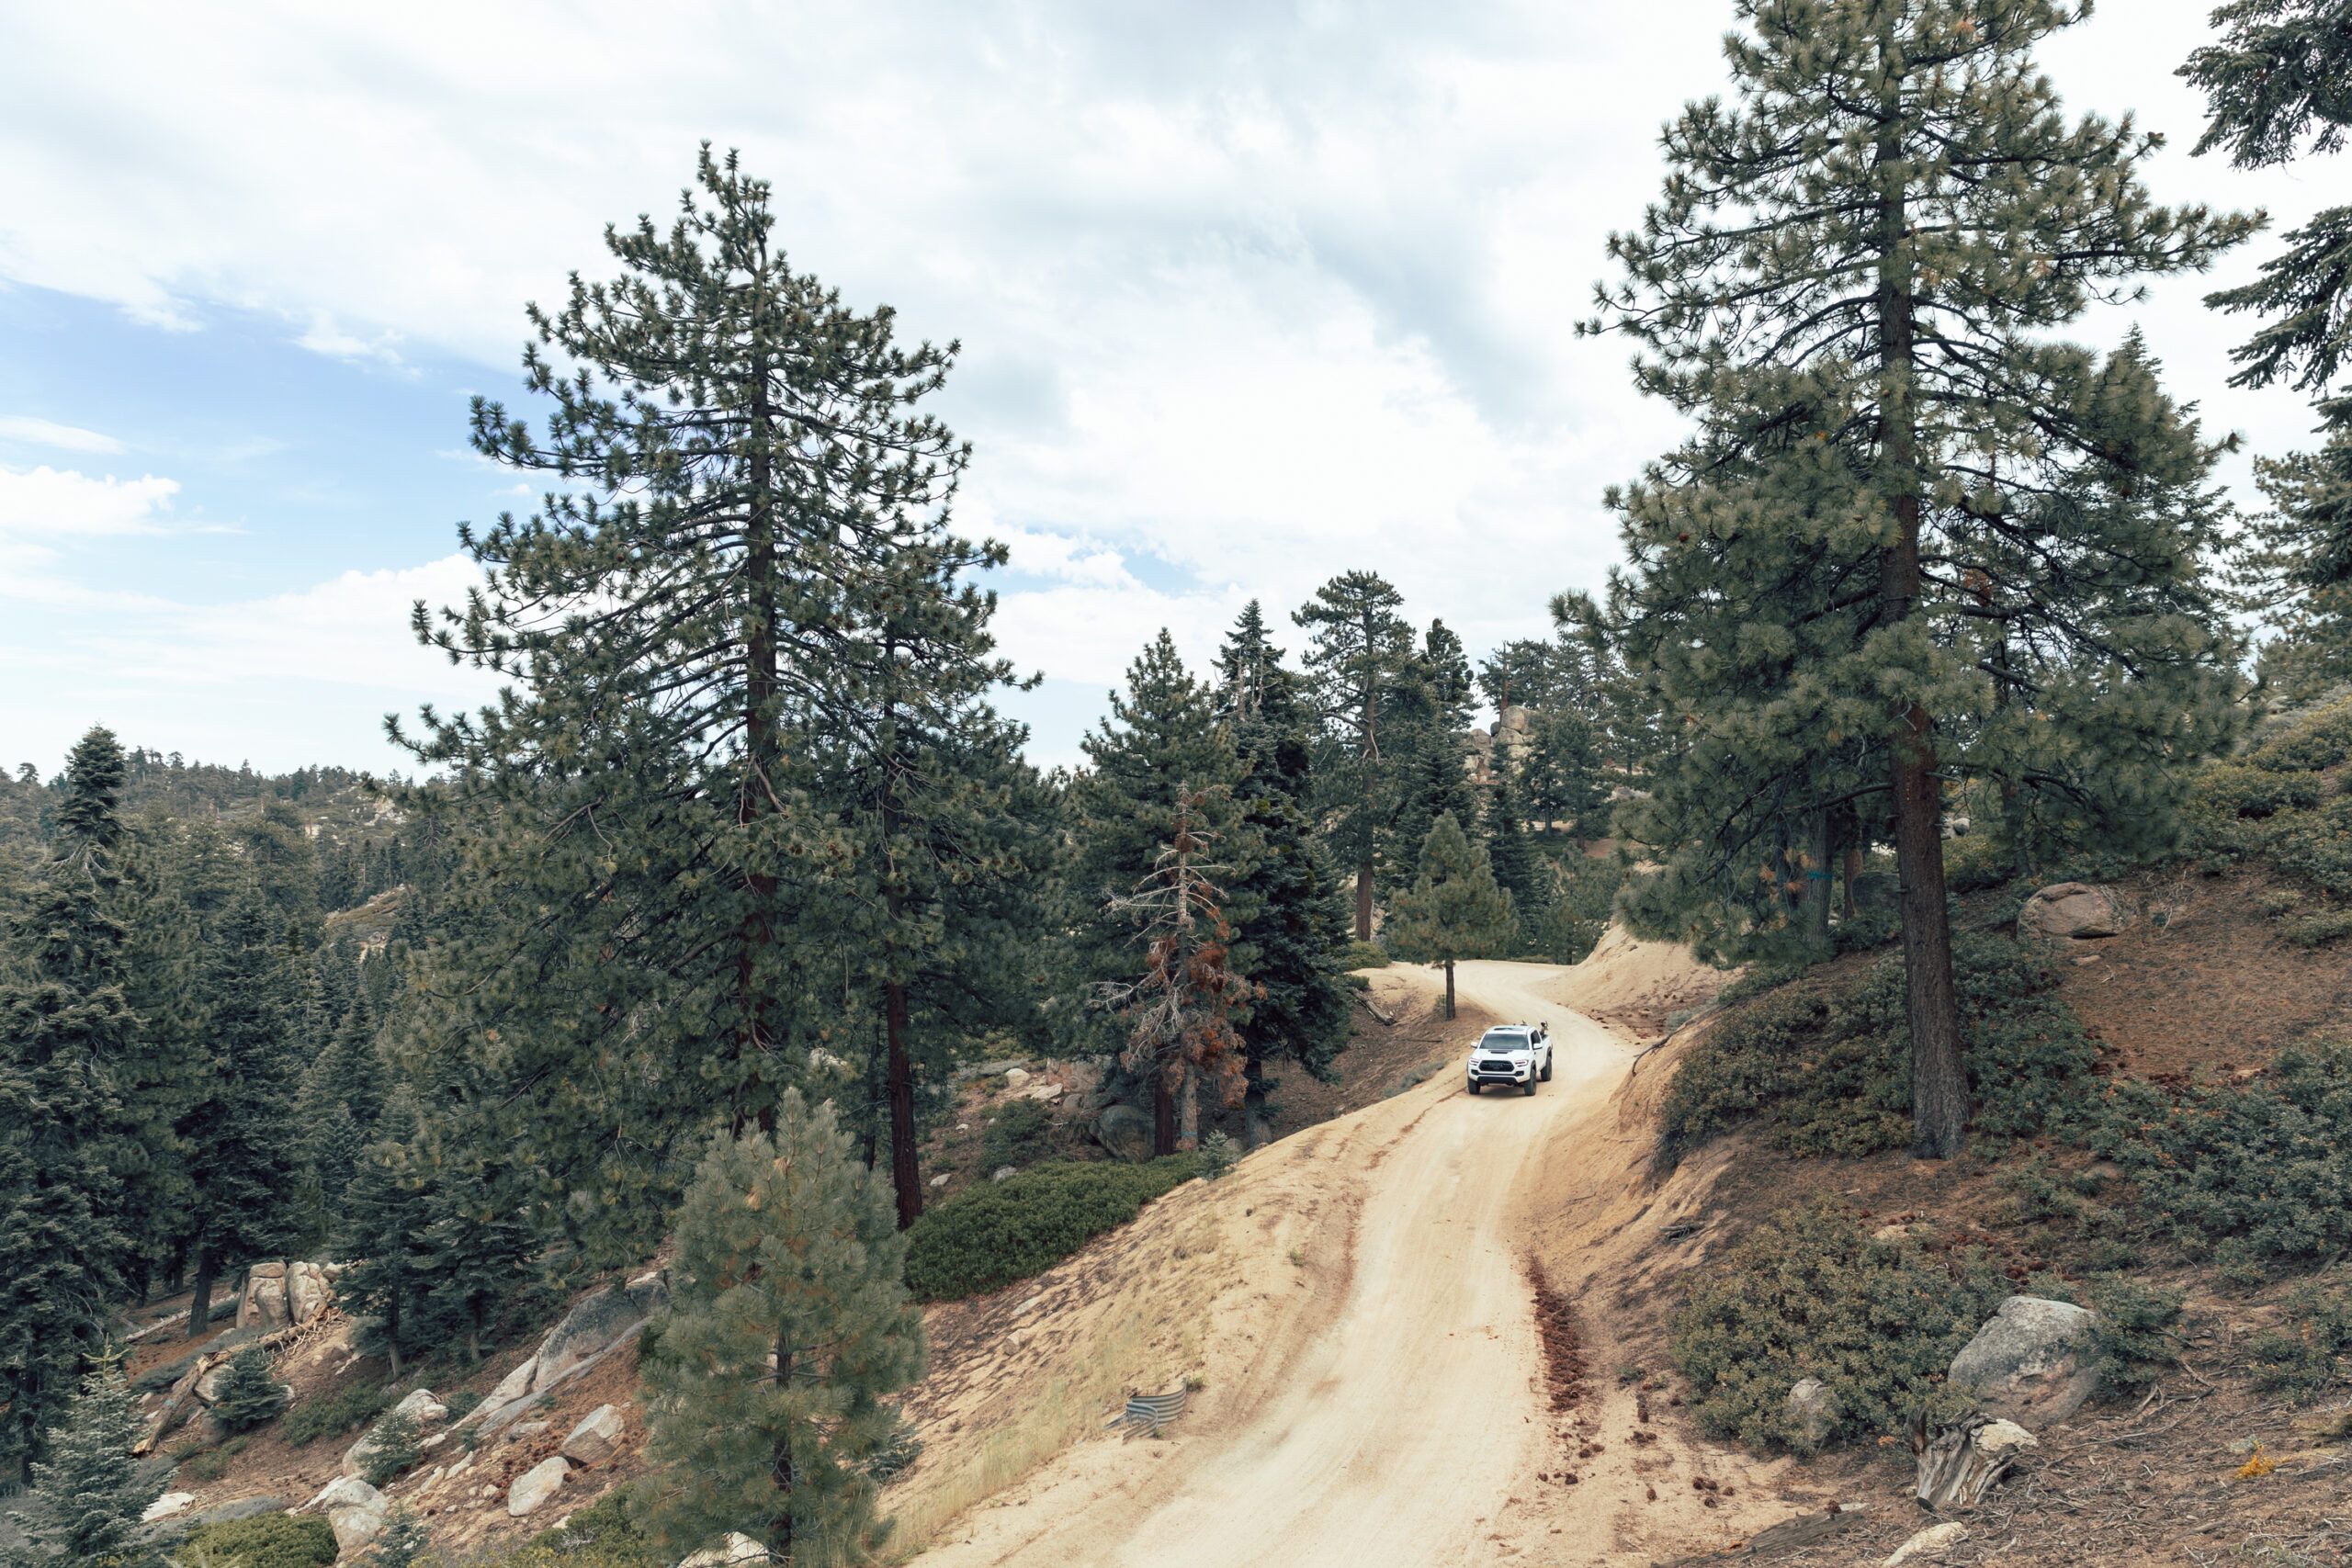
[265,1540]
[1832,1070]
[1866,931]
[2233,789]
[462,1404]
[332,1414]
[601,1535]
[2270,1161]
[998,1232]
[2305,1355]
[1808,1295]
[1364,955]
[2132,1316]
[251,1394]
[1021,1132]
[2323,740]
[207,1467]
[2317,845]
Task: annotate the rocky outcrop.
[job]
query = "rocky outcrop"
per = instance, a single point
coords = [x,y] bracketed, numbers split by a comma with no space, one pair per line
[594,1329]
[286,1295]
[536,1485]
[596,1439]
[2032,1362]
[2074,911]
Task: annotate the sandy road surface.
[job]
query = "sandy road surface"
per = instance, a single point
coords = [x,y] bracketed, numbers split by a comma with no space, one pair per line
[1406,1432]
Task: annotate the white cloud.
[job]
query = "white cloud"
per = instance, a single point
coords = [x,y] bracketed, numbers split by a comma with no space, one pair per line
[47,432]
[46,503]
[1249,294]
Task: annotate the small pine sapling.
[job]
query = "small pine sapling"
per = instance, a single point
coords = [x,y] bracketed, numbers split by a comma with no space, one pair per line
[392,1448]
[251,1394]
[88,1497]
[404,1542]
[765,1378]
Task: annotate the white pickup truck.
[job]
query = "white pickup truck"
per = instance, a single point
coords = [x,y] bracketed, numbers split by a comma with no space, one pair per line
[1512,1053]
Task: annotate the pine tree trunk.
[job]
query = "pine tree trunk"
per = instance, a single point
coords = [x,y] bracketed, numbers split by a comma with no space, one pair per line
[199,1306]
[1939,1085]
[877,1100]
[1253,1103]
[906,1174]
[1163,1114]
[1818,877]
[1188,1110]
[1449,987]
[763,751]
[1363,900]
[780,1467]
[1853,870]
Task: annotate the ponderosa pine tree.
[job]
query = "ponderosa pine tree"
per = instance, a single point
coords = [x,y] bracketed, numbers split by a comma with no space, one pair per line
[790,1324]
[88,1497]
[1562,775]
[66,1033]
[1362,663]
[1914,535]
[239,1129]
[1456,909]
[1278,902]
[753,568]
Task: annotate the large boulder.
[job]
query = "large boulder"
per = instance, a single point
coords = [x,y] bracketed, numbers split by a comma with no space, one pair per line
[2032,1362]
[596,1439]
[420,1406]
[536,1484]
[2074,911]
[264,1307]
[739,1549]
[595,1324]
[1124,1130]
[355,1510]
[307,1292]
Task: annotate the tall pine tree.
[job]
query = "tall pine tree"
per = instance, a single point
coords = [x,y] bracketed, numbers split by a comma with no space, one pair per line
[1365,668]
[1914,534]
[240,1134]
[65,1034]
[751,575]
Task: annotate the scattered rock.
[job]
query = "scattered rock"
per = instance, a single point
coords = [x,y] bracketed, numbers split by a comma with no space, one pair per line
[739,1549]
[1004,1170]
[1934,1537]
[524,1431]
[1044,1093]
[2074,911]
[2031,1362]
[207,1387]
[596,1326]
[596,1437]
[940,1180]
[536,1485]
[1015,1077]
[1124,1130]
[163,1507]
[1812,1408]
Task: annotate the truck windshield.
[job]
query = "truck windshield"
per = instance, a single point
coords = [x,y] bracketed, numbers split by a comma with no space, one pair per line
[1511,1042]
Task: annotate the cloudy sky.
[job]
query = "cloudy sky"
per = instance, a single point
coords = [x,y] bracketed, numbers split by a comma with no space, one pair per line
[1249,294]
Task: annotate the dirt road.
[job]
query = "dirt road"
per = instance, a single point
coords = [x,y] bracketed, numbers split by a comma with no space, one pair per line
[1409,1431]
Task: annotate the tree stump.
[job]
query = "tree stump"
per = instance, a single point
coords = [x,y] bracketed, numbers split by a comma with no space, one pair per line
[1966,1460]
